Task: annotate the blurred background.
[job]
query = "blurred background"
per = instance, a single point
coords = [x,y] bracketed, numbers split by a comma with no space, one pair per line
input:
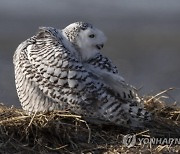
[143,37]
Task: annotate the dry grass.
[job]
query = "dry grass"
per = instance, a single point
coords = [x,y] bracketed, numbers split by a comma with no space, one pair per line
[62,132]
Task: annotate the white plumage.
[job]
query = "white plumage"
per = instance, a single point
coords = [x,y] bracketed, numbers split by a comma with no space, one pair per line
[64,70]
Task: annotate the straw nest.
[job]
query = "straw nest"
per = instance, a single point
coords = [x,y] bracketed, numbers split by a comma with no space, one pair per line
[62,132]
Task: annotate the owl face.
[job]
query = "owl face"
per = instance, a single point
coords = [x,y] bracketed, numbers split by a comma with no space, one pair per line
[90,41]
[87,39]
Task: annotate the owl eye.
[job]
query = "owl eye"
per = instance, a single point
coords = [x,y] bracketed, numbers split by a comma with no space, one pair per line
[91,35]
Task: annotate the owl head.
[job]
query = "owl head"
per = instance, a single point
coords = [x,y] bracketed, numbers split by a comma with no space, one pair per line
[87,39]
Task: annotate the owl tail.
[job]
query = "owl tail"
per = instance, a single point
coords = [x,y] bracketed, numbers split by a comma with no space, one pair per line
[124,113]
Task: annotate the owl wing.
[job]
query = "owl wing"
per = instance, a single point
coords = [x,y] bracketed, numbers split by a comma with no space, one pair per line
[103,68]
[45,61]
[102,62]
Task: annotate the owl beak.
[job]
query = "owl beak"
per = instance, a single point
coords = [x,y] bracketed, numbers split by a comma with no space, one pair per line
[99,46]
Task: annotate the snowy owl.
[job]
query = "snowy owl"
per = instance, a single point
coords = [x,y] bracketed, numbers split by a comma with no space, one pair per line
[65,70]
